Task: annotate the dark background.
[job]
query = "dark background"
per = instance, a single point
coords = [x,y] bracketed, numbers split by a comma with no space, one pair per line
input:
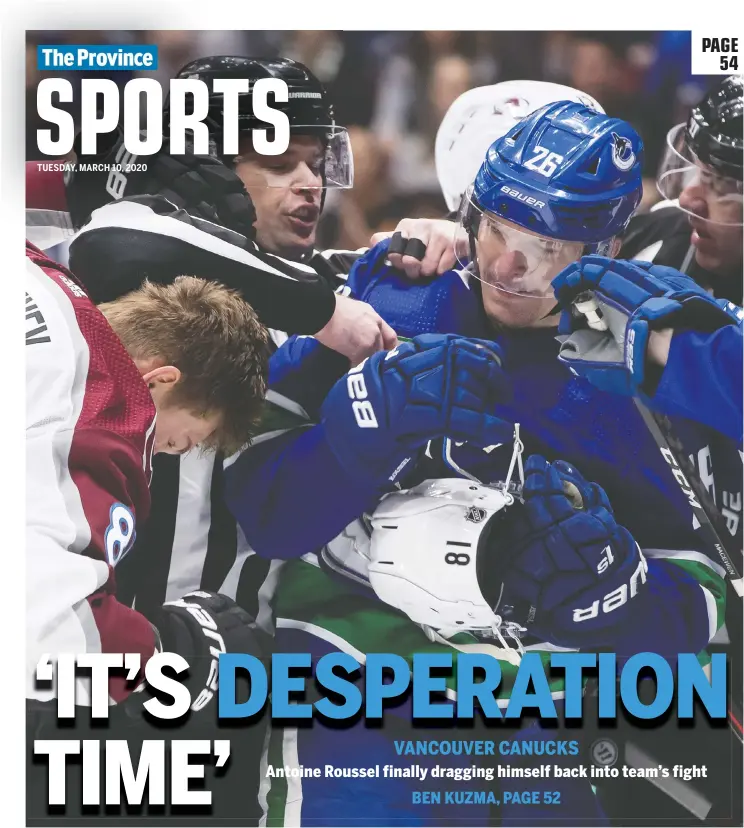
[391,89]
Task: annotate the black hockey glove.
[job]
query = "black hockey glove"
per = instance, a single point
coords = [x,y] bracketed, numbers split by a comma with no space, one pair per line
[199,184]
[199,627]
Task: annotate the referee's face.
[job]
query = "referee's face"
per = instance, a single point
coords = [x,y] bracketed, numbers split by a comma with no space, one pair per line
[714,207]
[286,191]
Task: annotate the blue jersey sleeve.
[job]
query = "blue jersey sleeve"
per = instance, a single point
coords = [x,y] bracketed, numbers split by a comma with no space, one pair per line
[702,380]
[679,611]
[290,495]
[446,304]
[366,270]
[287,491]
[302,371]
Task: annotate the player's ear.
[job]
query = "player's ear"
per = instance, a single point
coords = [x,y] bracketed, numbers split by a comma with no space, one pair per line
[617,243]
[165,375]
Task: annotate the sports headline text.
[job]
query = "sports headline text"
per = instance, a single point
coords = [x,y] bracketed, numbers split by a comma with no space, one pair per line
[137,109]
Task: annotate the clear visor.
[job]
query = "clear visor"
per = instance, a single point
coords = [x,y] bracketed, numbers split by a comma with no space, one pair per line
[701,191]
[318,157]
[511,259]
[48,228]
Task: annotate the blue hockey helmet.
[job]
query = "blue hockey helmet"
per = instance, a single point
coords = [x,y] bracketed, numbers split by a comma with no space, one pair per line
[561,183]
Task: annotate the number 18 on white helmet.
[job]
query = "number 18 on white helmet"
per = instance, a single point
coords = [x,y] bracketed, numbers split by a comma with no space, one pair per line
[430,554]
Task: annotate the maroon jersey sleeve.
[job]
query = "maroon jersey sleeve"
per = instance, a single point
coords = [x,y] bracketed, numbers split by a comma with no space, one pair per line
[89,436]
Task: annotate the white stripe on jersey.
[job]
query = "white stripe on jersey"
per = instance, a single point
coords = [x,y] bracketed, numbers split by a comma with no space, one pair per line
[193,519]
[58,580]
[134,216]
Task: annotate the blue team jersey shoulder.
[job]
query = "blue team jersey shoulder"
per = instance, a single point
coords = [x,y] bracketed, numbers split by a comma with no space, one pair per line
[442,305]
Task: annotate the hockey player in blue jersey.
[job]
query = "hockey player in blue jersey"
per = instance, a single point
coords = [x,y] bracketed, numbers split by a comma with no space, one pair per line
[563,414]
[562,183]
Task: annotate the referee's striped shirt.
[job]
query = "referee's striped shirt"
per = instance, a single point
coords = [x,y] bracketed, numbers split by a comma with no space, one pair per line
[191,540]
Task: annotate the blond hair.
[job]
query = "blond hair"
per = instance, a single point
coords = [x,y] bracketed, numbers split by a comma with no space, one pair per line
[213,336]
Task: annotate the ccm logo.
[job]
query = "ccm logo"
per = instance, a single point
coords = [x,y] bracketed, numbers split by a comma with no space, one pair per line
[522,197]
[362,407]
[617,598]
[629,350]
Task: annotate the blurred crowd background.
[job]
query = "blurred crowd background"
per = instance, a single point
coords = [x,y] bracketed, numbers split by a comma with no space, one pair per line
[391,90]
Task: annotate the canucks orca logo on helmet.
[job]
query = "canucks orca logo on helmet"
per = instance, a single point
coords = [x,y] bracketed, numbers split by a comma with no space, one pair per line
[623,156]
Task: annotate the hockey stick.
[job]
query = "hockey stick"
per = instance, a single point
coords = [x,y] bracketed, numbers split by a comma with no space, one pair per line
[711,525]
[708,517]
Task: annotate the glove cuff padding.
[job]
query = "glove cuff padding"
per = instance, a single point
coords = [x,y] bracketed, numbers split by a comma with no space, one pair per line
[200,626]
[200,184]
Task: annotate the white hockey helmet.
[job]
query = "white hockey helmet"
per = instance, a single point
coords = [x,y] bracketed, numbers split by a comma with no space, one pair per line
[427,551]
[480,116]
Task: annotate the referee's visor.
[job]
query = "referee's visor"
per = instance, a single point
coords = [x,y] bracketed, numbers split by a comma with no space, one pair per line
[702,191]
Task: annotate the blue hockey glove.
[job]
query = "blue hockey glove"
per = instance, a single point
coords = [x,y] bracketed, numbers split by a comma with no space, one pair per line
[385,410]
[573,572]
[632,300]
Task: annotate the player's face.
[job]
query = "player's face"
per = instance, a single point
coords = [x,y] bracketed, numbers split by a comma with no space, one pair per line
[178,430]
[516,267]
[286,192]
[714,207]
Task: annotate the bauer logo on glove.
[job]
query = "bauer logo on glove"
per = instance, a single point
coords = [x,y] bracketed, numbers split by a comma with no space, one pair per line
[556,565]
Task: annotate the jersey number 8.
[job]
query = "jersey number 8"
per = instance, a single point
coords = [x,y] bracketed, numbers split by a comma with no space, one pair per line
[364,413]
[457,558]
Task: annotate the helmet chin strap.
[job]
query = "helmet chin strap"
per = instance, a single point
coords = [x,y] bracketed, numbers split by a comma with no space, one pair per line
[511,628]
[516,461]
[503,652]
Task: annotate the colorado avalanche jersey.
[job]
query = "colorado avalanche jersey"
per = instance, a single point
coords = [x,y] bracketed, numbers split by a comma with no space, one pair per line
[89,437]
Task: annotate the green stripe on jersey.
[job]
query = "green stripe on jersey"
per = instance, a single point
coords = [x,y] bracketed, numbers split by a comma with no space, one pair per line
[276,798]
[308,596]
[709,579]
[276,418]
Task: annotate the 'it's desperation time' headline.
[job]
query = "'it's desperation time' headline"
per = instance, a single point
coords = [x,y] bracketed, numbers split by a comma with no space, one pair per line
[437,686]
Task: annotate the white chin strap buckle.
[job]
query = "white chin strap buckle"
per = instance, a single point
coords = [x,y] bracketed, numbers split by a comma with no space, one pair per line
[516,462]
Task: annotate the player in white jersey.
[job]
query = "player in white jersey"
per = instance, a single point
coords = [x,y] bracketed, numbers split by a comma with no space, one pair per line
[95,378]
